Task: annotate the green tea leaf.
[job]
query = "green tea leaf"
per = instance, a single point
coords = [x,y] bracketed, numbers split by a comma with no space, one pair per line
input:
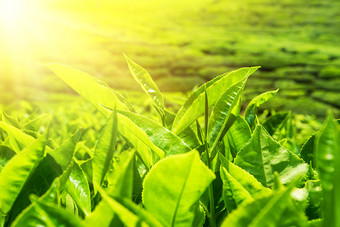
[255,103]
[96,92]
[173,188]
[274,122]
[6,154]
[239,134]
[38,182]
[234,194]
[53,215]
[248,181]
[327,158]
[121,181]
[63,154]
[166,141]
[221,113]
[18,139]
[127,217]
[307,150]
[146,82]
[104,149]
[15,173]
[193,107]
[270,210]
[30,216]
[78,188]
[262,156]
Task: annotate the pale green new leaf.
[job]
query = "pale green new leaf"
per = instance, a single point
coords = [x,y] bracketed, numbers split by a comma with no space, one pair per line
[18,139]
[221,113]
[248,181]
[165,140]
[255,103]
[96,92]
[54,216]
[173,187]
[146,82]
[262,156]
[194,106]
[103,152]
[234,194]
[121,181]
[127,217]
[78,188]
[15,173]
[327,159]
[276,209]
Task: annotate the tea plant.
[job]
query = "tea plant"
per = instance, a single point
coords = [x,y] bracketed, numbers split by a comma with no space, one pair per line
[207,165]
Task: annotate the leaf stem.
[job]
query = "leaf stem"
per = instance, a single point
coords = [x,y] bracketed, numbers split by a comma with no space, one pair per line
[211,188]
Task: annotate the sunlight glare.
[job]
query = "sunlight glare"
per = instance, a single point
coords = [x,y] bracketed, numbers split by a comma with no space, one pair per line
[11,11]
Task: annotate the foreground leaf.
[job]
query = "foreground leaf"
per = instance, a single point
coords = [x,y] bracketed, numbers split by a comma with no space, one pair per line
[262,156]
[173,188]
[78,188]
[270,210]
[327,158]
[249,182]
[17,170]
[234,194]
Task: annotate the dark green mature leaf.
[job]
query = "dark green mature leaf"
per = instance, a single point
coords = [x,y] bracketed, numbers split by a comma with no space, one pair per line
[30,216]
[315,198]
[239,134]
[234,194]
[6,154]
[193,107]
[173,188]
[222,111]
[104,149]
[146,82]
[78,188]
[262,156]
[274,122]
[97,92]
[166,141]
[307,150]
[327,158]
[249,182]
[255,103]
[15,173]
[39,181]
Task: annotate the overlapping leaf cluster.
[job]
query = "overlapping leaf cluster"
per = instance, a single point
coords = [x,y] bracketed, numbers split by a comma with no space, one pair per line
[207,165]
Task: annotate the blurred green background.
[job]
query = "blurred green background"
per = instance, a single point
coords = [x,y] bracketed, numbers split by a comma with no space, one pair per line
[181,43]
